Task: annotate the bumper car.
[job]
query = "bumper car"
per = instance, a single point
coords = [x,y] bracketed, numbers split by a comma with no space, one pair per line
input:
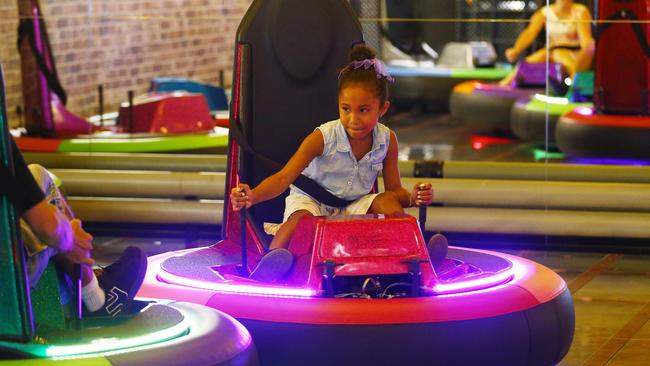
[214,95]
[362,289]
[618,125]
[426,75]
[432,80]
[528,115]
[36,329]
[186,124]
[488,105]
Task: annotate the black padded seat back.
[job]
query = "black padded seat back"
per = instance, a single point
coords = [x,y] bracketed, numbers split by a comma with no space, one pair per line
[289,53]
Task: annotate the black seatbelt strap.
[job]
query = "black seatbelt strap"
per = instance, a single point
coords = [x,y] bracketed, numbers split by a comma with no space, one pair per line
[303,182]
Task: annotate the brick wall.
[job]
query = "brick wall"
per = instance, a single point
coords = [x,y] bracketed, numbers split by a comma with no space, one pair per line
[122,44]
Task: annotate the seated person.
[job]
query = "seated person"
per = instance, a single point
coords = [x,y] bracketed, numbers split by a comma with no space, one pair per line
[568,26]
[50,232]
[345,156]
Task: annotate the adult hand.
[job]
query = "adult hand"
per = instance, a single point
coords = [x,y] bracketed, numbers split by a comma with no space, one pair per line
[422,194]
[241,197]
[83,244]
[511,55]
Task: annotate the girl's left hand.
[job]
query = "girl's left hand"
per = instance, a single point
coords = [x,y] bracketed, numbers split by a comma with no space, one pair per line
[422,194]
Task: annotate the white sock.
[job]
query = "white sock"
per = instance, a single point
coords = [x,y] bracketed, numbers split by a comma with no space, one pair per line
[92,295]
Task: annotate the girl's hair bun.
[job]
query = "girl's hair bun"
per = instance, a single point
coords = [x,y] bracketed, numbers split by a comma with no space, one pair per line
[361,52]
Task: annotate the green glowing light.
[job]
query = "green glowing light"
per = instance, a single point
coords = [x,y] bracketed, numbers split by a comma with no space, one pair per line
[111,346]
[540,154]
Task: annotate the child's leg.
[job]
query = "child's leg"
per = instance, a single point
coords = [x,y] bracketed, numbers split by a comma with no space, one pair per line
[282,237]
[573,61]
[537,57]
[386,203]
[296,206]
[278,260]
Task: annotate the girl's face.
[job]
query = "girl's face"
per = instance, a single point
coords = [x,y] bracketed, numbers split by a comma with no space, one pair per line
[360,109]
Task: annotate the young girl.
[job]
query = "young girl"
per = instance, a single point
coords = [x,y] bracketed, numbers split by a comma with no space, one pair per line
[345,156]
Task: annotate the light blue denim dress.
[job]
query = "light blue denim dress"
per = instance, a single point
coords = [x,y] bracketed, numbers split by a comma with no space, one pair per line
[338,170]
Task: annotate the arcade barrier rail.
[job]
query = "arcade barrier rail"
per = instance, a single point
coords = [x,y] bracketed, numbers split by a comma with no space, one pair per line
[410,168]
[591,209]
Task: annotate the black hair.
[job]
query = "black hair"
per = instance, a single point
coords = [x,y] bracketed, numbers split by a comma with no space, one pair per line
[348,74]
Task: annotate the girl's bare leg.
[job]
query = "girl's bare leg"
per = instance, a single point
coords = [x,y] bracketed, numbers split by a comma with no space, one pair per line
[386,203]
[284,234]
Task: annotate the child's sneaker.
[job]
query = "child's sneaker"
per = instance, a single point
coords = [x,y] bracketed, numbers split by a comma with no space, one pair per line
[121,281]
[437,248]
[273,265]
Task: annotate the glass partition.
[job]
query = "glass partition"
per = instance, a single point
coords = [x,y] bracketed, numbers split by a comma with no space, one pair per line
[464,92]
[533,112]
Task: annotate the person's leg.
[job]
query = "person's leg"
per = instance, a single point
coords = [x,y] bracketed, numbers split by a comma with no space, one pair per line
[566,58]
[284,234]
[437,248]
[278,260]
[507,81]
[297,205]
[537,57]
[572,60]
[386,203]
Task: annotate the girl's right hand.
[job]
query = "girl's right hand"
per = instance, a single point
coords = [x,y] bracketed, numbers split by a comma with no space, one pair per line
[241,197]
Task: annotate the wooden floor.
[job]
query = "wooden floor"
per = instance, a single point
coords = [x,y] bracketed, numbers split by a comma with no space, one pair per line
[611,293]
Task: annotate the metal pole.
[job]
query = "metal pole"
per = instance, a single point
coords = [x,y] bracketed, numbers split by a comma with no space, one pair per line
[100,92]
[130,130]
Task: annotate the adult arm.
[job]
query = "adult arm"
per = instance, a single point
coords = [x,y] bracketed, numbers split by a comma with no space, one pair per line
[311,147]
[527,36]
[584,27]
[50,226]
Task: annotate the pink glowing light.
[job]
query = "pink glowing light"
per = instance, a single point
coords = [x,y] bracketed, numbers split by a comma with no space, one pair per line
[237,288]
[488,283]
[483,284]
[585,111]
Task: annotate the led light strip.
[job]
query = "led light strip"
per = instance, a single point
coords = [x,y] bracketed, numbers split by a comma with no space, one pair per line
[552,100]
[469,286]
[239,289]
[107,346]
[486,284]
